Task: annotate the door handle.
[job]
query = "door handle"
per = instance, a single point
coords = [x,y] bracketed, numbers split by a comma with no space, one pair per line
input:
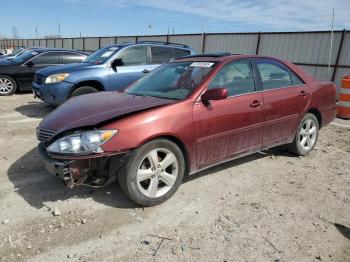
[145,71]
[303,93]
[255,103]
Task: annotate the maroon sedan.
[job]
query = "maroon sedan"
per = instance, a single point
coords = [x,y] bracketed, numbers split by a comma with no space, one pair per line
[185,116]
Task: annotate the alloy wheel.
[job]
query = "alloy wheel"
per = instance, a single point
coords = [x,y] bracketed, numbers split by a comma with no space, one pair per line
[6,86]
[157,172]
[308,134]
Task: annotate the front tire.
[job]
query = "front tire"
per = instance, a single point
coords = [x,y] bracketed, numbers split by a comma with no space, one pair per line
[83,90]
[153,173]
[306,136]
[8,85]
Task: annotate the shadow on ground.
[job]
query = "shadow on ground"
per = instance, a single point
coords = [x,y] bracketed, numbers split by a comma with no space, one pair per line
[37,186]
[35,109]
[277,151]
[345,231]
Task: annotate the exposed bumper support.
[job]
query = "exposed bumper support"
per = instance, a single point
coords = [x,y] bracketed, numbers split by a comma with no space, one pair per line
[94,172]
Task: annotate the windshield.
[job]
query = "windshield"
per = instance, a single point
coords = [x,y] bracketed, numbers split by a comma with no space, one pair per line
[101,55]
[24,56]
[17,51]
[172,81]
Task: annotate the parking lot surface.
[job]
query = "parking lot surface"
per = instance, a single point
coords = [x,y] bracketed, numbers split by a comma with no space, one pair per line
[270,206]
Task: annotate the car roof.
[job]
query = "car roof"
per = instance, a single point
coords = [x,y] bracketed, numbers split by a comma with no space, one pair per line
[44,49]
[216,57]
[155,43]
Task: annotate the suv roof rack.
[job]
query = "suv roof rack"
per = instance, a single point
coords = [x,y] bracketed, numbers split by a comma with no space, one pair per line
[215,54]
[162,43]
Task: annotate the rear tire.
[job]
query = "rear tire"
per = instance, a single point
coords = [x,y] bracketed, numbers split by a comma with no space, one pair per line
[153,173]
[306,136]
[83,90]
[8,85]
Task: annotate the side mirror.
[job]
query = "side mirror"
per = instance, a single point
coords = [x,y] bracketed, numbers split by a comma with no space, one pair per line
[117,62]
[30,63]
[214,94]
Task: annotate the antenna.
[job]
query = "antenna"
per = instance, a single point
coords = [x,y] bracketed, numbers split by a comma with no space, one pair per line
[331,48]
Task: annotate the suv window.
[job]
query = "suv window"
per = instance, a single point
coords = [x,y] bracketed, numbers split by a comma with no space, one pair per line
[161,55]
[52,58]
[237,77]
[132,56]
[273,74]
[68,57]
[181,52]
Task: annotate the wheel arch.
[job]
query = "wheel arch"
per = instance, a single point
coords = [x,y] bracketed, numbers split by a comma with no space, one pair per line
[93,83]
[318,115]
[179,143]
[14,79]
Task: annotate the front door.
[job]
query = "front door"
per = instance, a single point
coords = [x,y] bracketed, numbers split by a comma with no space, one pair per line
[285,99]
[232,126]
[135,65]
[25,74]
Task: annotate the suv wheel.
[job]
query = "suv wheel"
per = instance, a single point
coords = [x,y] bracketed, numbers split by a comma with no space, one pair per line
[83,90]
[153,173]
[306,136]
[8,85]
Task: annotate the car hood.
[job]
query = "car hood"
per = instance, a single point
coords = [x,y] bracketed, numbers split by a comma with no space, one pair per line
[93,109]
[69,68]
[5,62]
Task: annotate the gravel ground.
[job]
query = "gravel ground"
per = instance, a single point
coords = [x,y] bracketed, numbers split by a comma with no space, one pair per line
[270,206]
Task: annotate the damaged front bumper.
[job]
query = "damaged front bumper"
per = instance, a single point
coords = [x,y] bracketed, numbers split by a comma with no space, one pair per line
[94,170]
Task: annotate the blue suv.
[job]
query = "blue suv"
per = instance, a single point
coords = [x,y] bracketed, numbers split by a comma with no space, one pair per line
[110,68]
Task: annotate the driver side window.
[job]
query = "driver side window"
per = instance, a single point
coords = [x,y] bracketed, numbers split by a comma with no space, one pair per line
[237,77]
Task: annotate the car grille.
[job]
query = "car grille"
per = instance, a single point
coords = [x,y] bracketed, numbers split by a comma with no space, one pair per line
[44,135]
[39,79]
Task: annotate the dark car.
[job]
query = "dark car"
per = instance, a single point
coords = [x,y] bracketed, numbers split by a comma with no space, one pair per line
[184,116]
[17,73]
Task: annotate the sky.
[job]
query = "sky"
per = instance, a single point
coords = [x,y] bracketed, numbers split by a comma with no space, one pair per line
[132,17]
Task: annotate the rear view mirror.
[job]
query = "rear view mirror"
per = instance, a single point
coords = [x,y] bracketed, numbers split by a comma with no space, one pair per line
[117,62]
[214,94]
[30,63]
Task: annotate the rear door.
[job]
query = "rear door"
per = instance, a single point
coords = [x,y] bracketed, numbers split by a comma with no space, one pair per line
[232,126]
[135,61]
[285,99]
[25,74]
[160,55]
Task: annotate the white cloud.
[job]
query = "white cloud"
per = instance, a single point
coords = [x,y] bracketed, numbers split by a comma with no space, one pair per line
[275,14]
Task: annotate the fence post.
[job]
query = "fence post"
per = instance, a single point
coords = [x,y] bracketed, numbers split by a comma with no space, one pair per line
[204,36]
[99,42]
[258,44]
[338,55]
[83,44]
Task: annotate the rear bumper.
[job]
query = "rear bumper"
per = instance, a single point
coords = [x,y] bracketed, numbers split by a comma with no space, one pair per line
[329,116]
[53,94]
[91,171]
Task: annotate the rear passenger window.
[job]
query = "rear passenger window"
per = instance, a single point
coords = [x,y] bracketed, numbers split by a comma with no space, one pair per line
[273,74]
[161,55]
[181,52]
[237,77]
[67,58]
[134,56]
[52,58]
